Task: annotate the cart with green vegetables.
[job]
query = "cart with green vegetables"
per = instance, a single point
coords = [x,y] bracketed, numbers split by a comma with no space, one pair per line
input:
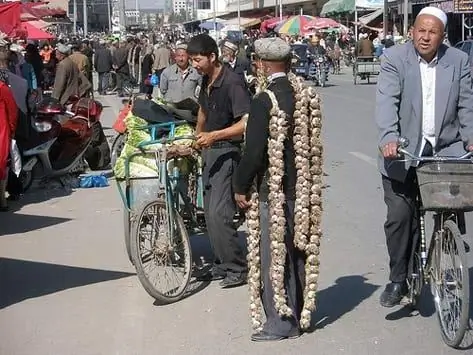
[159,177]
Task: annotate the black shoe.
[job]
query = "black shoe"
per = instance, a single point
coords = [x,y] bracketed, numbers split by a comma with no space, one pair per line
[233,280]
[13,197]
[266,336]
[393,294]
[209,274]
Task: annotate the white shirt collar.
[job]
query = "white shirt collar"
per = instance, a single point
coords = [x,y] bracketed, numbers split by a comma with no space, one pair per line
[274,76]
[432,62]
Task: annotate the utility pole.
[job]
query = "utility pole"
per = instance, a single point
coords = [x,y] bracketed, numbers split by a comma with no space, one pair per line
[406,18]
[239,15]
[215,16]
[109,5]
[84,5]
[75,17]
[385,19]
[121,7]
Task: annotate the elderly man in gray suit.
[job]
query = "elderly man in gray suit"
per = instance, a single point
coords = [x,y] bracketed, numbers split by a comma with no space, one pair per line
[425,94]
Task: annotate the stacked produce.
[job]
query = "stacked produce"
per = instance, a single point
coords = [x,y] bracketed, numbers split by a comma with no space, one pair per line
[144,164]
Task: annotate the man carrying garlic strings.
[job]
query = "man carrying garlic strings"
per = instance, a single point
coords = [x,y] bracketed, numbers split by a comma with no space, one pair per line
[282,155]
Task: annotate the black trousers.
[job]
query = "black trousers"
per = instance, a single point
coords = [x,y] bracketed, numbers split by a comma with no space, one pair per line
[294,277]
[402,227]
[103,82]
[402,223]
[122,80]
[220,208]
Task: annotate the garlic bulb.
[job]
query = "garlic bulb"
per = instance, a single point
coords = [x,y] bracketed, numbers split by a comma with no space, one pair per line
[308,204]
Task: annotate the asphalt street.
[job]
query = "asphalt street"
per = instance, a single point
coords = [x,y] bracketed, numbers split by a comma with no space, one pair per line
[66,286]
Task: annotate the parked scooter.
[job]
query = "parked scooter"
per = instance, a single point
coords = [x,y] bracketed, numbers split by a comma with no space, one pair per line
[62,138]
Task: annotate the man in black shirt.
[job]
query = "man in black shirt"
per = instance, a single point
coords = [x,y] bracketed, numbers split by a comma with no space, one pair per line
[224,106]
[273,56]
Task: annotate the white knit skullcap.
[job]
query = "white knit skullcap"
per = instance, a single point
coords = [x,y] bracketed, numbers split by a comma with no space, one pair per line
[436,12]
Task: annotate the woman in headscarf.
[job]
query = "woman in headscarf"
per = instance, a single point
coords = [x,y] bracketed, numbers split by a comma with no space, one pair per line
[147,71]
[8,122]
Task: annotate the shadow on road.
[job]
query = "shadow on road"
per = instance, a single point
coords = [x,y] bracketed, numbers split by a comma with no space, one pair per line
[22,279]
[17,223]
[339,299]
[45,191]
[202,251]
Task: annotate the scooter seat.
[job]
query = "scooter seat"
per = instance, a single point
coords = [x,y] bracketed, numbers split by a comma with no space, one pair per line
[75,128]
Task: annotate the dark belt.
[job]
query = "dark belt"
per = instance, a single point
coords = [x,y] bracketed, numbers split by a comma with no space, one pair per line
[225,144]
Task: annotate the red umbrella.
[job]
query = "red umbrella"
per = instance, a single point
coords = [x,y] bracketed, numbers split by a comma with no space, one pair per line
[34,33]
[10,23]
[322,22]
[269,24]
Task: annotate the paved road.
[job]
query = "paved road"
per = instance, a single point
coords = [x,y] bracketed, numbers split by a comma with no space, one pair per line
[67,288]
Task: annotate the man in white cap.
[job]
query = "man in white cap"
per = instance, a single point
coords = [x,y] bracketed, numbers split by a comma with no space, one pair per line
[180,81]
[237,64]
[425,94]
[67,80]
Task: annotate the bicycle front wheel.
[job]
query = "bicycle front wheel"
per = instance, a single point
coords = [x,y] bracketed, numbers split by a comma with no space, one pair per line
[161,253]
[451,285]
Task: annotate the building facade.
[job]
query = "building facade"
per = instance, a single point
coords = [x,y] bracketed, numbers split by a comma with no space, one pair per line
[308,7]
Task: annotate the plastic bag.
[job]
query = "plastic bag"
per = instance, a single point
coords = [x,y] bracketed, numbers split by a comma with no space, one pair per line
[15,156]
[154,79]
[88,181]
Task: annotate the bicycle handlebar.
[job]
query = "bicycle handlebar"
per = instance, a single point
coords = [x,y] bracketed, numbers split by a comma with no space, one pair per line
[404,142]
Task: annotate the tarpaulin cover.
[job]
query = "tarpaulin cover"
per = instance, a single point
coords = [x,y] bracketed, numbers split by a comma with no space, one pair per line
[35,33]
[10,22]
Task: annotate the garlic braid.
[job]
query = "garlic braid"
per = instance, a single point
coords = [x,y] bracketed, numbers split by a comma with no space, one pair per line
[254,259]
[308,204]
[310,211]
[278,129]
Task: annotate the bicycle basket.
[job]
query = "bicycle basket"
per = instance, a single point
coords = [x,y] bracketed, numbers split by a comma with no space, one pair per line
[446,185]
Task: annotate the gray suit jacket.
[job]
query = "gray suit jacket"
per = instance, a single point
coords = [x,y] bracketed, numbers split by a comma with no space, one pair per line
[399,104]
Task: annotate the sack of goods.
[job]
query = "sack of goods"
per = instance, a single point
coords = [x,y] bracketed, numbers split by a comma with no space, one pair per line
[144,165]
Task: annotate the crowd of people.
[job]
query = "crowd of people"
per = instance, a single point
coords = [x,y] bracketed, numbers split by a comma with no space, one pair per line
[217,76]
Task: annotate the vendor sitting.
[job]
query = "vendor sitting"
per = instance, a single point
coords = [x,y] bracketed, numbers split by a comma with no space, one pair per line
[180,80]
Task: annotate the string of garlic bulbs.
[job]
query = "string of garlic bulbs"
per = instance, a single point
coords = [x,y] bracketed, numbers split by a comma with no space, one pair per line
[308,203]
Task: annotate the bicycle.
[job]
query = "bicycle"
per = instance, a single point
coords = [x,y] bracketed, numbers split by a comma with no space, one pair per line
[162,213]
[444,189]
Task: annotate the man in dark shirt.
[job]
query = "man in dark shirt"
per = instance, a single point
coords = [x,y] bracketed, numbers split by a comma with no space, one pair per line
[121,67]
[273,56]
[103,65]
[315,48]
[224,106]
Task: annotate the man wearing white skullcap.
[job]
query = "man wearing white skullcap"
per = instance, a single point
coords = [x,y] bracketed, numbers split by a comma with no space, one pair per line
[424,94]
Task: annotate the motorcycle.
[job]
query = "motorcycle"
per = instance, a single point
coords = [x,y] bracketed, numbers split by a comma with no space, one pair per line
[62,138]
[318,70]
[348,56]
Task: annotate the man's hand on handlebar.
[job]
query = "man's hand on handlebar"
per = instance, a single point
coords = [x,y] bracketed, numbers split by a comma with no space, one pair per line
[390,150]
[206,139]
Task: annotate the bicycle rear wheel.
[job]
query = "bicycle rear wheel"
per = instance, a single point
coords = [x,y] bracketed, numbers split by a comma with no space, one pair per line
[450,284]
[156,245]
